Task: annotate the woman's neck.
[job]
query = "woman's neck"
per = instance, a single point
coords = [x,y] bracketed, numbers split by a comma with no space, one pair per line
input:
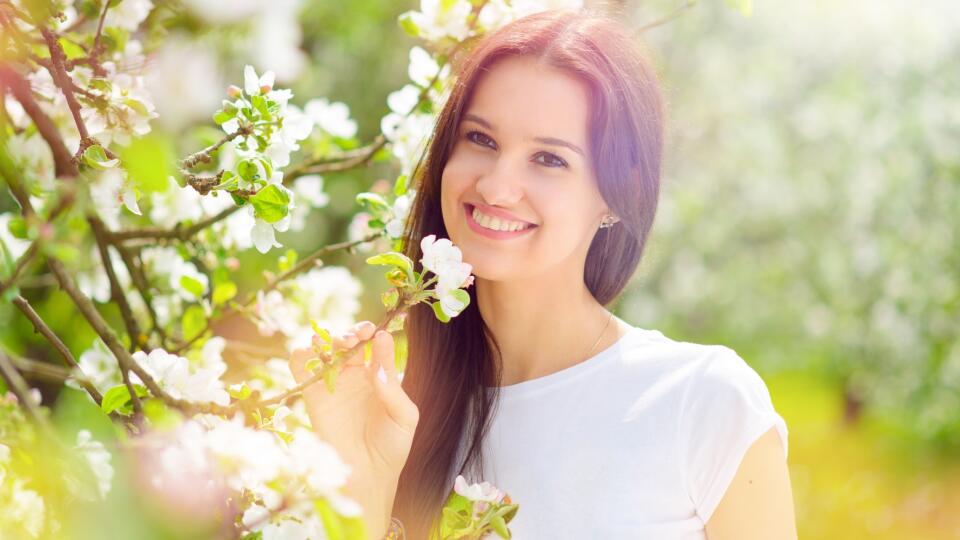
[542,326]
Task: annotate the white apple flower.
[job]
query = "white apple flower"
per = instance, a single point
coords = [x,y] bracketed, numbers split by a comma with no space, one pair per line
[15,246]
[399,212]
[128,14]
[403,101]
[333,118]
[423,67]
[174,374]
[111,190]
[438,19]
[483,491]
[254,85]
[99,366]
[99,459]
[408,136]
[309,194]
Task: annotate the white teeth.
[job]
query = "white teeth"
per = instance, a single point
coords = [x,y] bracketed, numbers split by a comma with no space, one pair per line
[496,224]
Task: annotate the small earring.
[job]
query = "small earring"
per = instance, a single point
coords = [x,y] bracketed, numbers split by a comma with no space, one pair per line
[607,221]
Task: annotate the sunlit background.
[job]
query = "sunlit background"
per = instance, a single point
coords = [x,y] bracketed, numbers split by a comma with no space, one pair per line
[808,218]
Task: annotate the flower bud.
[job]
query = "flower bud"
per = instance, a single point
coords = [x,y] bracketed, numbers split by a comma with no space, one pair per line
[234,91]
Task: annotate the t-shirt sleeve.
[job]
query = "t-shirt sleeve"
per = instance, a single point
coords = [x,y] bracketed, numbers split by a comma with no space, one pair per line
[727,407]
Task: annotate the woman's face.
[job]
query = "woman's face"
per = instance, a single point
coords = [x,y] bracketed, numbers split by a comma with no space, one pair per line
[521,155]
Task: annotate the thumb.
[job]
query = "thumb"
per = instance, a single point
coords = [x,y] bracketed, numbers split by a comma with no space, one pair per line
[399,406]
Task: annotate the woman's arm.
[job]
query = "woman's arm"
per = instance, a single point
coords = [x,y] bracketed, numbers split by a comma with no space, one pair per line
[759,502]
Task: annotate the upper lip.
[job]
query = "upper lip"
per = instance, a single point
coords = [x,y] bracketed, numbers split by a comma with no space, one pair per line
[496,212]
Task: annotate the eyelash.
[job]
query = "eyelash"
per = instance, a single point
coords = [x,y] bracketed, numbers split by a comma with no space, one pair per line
[560,162]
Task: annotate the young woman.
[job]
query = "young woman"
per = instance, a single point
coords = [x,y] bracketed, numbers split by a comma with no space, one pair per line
[544,168]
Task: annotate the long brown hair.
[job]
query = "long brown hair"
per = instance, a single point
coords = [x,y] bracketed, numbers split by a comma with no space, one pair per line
[451,363]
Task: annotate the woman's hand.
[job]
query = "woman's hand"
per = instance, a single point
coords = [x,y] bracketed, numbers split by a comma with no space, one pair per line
[370,422]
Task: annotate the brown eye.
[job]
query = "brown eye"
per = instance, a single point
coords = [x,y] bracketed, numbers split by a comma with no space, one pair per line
[481,139]
[551,160]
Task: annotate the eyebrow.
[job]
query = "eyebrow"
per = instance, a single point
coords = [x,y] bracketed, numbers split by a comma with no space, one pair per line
[545,140]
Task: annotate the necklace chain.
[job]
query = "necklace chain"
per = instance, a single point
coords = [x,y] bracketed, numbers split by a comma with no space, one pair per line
[601,335]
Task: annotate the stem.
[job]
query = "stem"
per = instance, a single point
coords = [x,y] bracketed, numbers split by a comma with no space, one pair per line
[317,377]
[44,330]
[301,266]
[346,161]
[206,155]
[669,17]
[22,263]
[178,232]
[20,389]
[137,339]
[63,80]
[140,282]
[20,88]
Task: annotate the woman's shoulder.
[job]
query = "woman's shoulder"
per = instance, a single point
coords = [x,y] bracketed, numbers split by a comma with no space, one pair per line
[695,371]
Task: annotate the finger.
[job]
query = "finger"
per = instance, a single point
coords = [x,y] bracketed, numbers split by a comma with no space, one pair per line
[364,329]
[397,404]
[384,354]
[298,361]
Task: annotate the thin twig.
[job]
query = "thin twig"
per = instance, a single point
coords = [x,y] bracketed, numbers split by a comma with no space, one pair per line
[305,264]
[101,235]
[44,330]
[669,17]
[317,377]
[135,270]
[63,80]
[20,389]
[177,232]
[22,263]
[20,88]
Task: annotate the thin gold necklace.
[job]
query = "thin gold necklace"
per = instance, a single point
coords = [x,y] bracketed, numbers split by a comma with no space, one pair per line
[601,335]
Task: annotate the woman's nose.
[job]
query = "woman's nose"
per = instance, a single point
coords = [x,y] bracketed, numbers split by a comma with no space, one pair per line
[501,184]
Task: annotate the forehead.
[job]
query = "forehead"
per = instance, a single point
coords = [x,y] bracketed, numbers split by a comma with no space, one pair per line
[527,98]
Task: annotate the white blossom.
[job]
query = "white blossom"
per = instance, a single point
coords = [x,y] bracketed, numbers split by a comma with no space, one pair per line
[99,366]
[333,118]
[15,246]
[175,375]
[438,19]
[399,212]
[98,458]
[128,14]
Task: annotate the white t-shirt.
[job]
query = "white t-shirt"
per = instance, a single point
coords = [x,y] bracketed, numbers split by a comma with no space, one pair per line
[639,441]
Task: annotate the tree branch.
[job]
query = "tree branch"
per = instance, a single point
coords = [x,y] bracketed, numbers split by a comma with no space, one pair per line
[137,339]
[20,88]
[44,330]
[177,232]
[346,161]
[301,266]
[20,389]
[63,80]
[22,263]
[317,377]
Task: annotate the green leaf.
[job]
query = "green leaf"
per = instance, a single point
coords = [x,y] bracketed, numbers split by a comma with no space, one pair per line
[118,398]
[390,298]
[400,186]
[248,170]
[375,202]
[438,311]
[228,182]
[287,260]
[159,415]
[321,331]
[410,27]
[239,391]
[95,157]
[339,527]
[499,526]
[18,227]
[192,286]
[148,162]
[393,258]
[462,296]
[193,322]
[71,49]
[223,292]
[271,203]
[222,116]
[330,378]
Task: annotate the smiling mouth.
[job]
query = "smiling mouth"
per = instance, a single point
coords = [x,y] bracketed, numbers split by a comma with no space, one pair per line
[485,230]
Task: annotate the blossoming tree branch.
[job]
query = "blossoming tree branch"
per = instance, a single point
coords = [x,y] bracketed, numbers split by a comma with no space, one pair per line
[144,244]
